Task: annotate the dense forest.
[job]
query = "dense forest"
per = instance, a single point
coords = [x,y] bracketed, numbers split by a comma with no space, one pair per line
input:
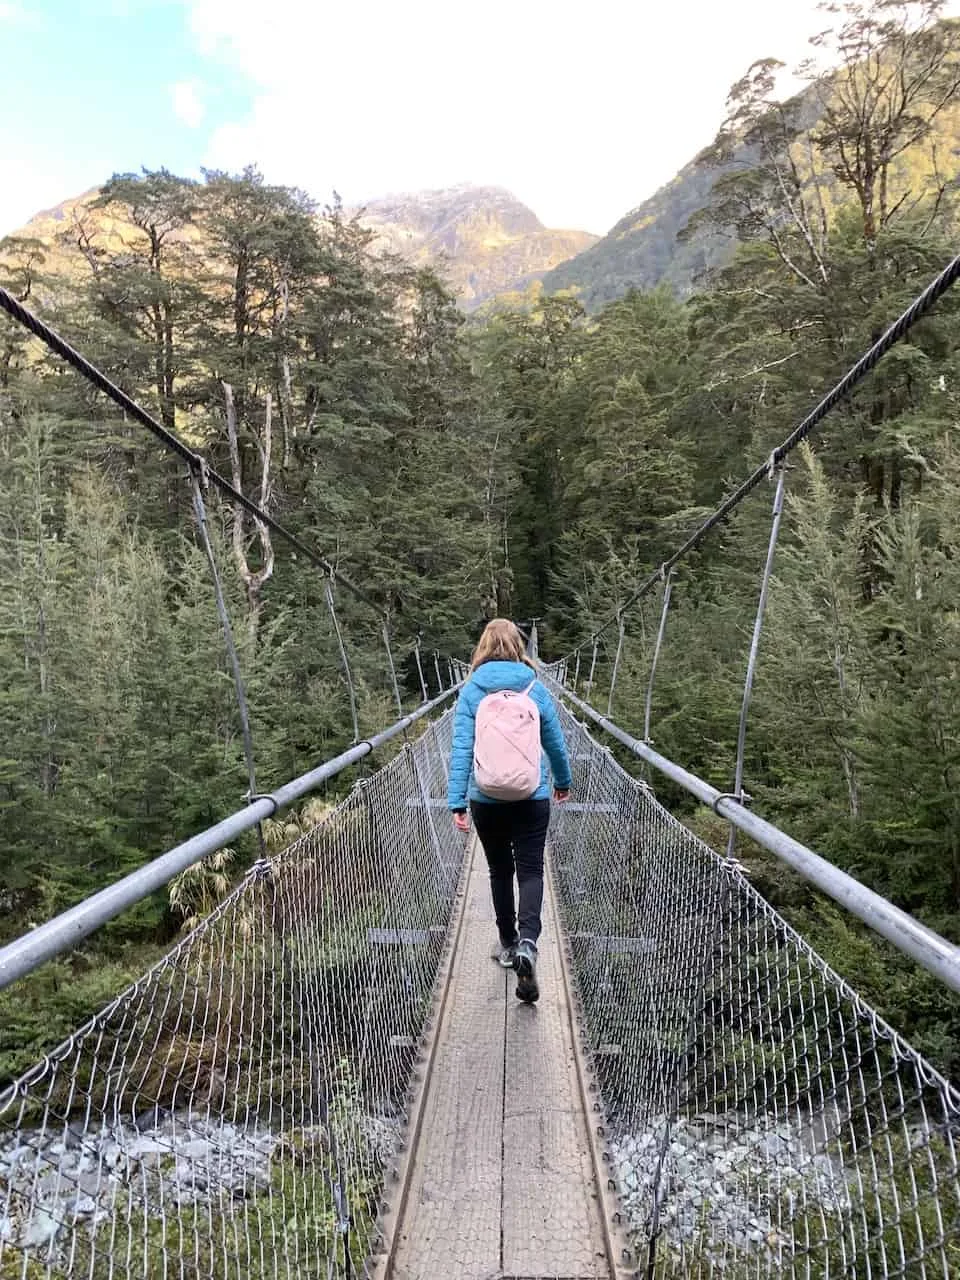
[532,463]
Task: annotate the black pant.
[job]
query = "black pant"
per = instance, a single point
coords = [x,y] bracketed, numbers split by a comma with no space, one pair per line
[513,836]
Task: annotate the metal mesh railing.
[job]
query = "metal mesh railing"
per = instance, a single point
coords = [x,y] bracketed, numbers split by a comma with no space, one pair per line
[233,1113]
[762,1120]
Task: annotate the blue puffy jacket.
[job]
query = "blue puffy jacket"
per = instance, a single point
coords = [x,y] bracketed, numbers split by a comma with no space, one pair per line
[490,677]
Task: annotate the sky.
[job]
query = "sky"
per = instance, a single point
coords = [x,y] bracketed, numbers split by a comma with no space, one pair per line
[581,109]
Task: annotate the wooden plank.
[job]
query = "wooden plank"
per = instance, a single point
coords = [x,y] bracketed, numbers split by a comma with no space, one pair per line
[551,1219]
[621,1257]
[451,1223]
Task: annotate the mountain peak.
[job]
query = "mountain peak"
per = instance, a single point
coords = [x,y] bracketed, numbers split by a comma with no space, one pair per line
[486,240]
[437,207]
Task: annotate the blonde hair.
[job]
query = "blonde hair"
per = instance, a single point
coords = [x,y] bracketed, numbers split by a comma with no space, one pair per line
[501,642]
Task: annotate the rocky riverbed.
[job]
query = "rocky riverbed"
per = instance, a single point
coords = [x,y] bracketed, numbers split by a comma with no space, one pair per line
[725,1186]
[54,1182]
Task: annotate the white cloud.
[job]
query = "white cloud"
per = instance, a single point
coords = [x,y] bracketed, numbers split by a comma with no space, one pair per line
[581,110]
[43,180]
[15,15]
[187,106]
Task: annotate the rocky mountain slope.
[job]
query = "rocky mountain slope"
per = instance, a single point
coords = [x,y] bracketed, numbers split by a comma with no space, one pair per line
[486,240]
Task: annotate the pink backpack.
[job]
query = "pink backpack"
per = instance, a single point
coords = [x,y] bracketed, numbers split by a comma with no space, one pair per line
[506,745]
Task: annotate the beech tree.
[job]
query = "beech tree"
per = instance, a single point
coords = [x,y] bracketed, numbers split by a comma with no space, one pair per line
[897,72]
[143,270]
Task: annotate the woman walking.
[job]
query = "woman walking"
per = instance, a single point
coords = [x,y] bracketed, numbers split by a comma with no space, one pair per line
[504,717]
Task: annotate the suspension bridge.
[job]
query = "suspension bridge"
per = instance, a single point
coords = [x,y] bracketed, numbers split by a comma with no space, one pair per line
[329,1077]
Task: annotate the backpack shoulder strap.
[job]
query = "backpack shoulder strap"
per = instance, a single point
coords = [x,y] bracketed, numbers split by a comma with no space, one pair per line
[531,684]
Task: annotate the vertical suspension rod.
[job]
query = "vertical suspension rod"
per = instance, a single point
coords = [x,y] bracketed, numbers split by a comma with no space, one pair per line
[593,667]
[616,662]
[393,669]
[755,645]
[200,512]
[423,684]
[667,588]
[344,660]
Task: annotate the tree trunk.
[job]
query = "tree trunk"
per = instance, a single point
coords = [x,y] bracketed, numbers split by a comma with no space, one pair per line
[490,603]
[289,427]
[169,404]
[846,757]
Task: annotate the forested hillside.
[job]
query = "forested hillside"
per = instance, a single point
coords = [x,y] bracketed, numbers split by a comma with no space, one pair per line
[643,249]
[540,463]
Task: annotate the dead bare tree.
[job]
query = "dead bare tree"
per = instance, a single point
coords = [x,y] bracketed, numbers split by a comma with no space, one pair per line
[254,580]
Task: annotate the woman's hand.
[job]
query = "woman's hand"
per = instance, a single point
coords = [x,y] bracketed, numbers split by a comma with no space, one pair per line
[561,796]
[462,822]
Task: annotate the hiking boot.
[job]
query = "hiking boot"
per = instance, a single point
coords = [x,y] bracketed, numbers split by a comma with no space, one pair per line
[525,965]
[505,955]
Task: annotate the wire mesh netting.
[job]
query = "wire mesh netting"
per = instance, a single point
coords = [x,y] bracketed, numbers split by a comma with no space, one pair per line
[234,1112]
[763,1120]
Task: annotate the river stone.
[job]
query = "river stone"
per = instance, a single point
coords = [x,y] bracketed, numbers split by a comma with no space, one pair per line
[43,1227]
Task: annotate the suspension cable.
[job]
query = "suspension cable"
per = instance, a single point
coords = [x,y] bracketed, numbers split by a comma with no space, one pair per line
[169,440]
[900,327]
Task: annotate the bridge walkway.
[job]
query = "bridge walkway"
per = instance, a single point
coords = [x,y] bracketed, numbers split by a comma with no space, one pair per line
[504,1180]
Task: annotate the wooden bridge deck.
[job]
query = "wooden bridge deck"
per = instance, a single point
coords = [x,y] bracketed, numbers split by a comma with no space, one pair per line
[501,1182]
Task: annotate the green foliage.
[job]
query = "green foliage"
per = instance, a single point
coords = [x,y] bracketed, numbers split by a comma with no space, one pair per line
[197,890]
[852,742]
[42,1012]
[120,734]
